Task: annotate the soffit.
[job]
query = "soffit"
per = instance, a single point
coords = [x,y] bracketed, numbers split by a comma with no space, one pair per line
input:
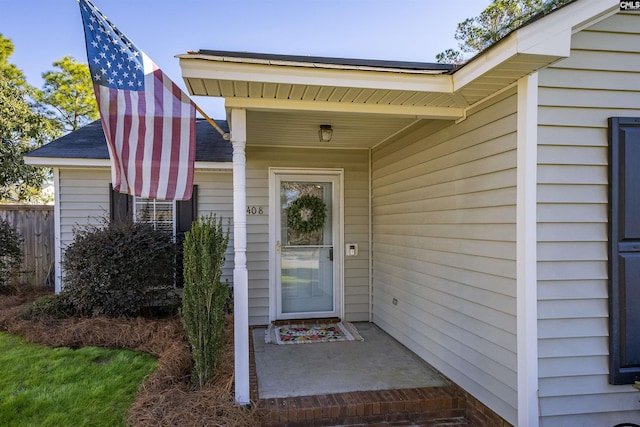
[503,75]
[220,76]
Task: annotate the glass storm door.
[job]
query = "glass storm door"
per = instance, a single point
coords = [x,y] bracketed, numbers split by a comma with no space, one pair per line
[306,258]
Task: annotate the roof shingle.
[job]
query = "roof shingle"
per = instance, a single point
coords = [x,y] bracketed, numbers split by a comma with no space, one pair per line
[89,142]
[347,62]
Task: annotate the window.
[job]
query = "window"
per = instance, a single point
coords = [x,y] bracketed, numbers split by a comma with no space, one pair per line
[159,213]
[624,250]
[175,217]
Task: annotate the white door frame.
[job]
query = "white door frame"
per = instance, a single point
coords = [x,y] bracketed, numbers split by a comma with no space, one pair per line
[338,224]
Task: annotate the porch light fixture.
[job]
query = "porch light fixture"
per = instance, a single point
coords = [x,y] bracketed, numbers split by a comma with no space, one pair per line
[325,133]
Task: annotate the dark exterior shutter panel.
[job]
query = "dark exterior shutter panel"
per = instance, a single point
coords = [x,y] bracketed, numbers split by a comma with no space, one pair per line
[120,206]
[624,250]
[186,213]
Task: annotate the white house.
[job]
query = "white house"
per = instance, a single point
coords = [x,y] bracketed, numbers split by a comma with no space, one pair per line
[484,216]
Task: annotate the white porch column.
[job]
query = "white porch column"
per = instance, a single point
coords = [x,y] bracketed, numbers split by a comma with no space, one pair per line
[526,257]
[240,274]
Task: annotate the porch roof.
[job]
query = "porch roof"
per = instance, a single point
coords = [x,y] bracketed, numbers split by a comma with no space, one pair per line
[369,101]
[366,102]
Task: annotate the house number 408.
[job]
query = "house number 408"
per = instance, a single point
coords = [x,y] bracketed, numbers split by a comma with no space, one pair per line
[255,210]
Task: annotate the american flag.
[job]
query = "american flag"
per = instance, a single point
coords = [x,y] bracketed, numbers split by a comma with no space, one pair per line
[149,123]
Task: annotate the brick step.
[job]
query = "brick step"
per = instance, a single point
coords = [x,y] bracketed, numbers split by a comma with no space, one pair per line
[437,422]
[429,407]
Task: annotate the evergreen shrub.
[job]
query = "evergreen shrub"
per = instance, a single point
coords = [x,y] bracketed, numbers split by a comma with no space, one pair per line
[120,269]
[204,295]
[56,306]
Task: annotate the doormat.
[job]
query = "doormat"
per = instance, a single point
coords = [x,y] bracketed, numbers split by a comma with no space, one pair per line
[311,333]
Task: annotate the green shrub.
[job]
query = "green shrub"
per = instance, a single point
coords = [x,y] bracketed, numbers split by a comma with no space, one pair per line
[119,269]
[10,252]
[49,307]
[204,296]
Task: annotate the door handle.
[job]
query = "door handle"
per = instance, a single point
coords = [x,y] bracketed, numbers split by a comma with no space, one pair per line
[330,254]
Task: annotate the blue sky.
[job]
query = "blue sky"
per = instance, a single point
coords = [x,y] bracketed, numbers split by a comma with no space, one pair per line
[404,30]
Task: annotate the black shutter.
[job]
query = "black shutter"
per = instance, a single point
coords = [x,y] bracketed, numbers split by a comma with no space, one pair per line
[624,250]
[120,206]
[186,213]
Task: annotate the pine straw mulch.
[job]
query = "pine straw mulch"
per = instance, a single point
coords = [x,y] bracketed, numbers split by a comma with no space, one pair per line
[166,397]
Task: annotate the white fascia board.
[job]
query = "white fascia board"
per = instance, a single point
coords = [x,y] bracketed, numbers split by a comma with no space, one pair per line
[577,16]
[227,166]
[548,37]
[52,162]
[442,113]
[552,34]
[60,161]
[202,68]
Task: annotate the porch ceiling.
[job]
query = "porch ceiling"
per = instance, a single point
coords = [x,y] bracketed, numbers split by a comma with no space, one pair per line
[300,129]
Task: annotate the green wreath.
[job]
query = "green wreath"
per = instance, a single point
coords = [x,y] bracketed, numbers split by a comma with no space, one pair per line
[306,214]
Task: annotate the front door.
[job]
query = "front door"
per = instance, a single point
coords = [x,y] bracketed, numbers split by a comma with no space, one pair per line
[307,233]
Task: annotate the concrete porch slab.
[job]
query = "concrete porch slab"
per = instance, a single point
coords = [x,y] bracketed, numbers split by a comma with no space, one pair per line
[377,363]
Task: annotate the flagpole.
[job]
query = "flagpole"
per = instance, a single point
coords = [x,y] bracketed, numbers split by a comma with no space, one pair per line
[224,134]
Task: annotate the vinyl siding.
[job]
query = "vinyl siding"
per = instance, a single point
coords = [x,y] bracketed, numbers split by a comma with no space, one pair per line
[444,231]
[215,197]
[576,96]
[84,200]
[356,222]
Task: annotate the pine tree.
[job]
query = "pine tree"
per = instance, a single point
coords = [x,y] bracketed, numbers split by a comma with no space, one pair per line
[496,21]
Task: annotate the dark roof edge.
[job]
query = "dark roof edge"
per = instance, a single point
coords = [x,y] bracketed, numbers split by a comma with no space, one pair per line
[353,62]
[89,142]
[531,20]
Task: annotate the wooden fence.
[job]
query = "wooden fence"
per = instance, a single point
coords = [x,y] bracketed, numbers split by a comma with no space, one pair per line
[35,224]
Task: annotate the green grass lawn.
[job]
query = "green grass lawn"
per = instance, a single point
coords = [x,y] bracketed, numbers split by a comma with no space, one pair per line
[43,386]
